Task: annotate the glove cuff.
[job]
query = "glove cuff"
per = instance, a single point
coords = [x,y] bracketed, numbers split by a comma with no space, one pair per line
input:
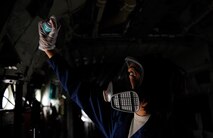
[46,48]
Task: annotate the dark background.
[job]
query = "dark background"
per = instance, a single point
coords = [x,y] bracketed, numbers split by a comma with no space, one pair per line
[94,34]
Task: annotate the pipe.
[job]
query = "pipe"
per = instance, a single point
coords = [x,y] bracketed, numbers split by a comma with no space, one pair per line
[101,5]
[123,13]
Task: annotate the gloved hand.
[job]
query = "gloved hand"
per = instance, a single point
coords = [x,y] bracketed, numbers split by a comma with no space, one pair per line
[47,41]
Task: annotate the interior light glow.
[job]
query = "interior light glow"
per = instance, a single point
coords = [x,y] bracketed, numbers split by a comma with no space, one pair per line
[84,117]
[38,95]
[8,101]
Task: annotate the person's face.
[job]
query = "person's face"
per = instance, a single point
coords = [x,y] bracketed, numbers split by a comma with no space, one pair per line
[135,76]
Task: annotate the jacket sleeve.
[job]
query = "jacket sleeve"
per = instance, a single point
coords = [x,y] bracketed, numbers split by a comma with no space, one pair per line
[87,95]
[63,72]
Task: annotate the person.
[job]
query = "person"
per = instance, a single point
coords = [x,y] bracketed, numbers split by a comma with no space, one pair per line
[147,76]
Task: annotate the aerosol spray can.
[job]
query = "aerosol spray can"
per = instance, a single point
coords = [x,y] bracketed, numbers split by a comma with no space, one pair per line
[46,27]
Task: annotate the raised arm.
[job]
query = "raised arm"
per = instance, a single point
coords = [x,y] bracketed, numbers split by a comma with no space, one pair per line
[47,38]
[87,95]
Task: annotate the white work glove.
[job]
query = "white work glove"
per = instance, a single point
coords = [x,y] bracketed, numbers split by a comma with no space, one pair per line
[47,41]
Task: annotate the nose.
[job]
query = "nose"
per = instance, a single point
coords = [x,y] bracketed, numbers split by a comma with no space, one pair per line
[134,77]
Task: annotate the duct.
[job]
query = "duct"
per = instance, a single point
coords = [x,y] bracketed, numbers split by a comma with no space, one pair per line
[122,15]
[101,6]
[199,19]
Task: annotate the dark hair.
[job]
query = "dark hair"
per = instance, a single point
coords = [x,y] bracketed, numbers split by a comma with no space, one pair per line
[160,76]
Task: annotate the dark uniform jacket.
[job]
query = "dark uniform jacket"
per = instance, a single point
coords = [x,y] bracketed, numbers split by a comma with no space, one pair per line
[89,97]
